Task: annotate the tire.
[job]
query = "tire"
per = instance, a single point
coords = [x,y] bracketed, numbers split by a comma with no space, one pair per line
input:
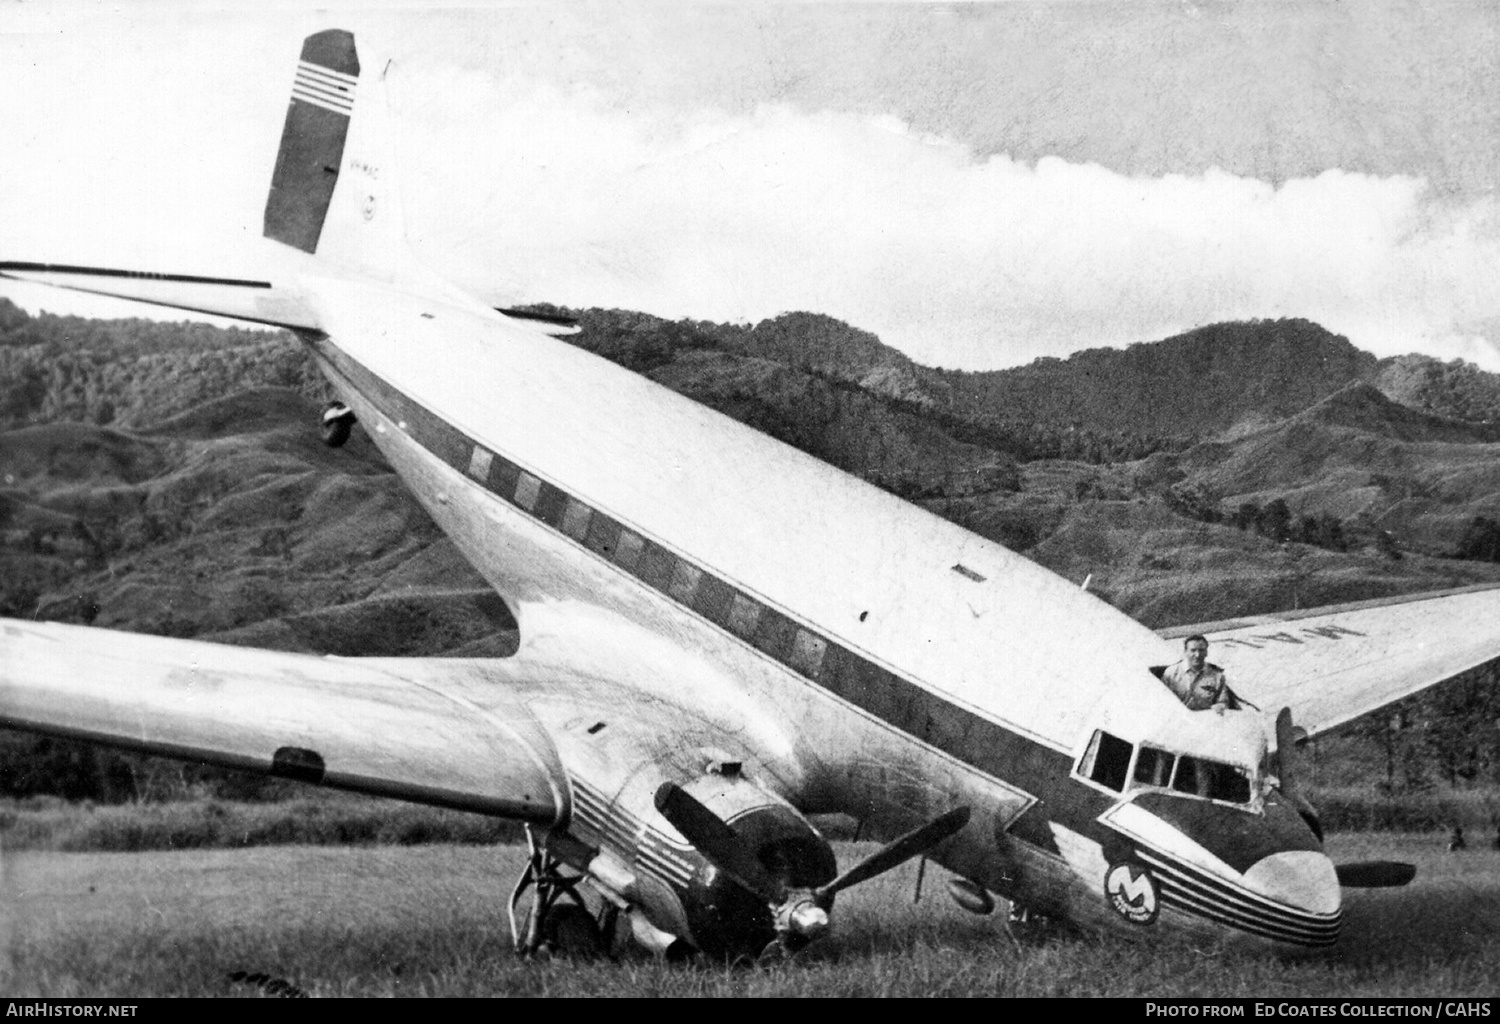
[570,930]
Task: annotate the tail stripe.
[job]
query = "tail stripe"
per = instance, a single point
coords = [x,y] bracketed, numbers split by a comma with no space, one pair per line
[319,100]
[332,76]
[339,99]
[336,89]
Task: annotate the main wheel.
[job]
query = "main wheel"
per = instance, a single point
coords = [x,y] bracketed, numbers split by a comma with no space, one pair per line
[570,930]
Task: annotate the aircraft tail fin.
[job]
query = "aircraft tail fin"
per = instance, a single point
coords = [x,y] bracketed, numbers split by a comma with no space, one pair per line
[333,195]
[333,190]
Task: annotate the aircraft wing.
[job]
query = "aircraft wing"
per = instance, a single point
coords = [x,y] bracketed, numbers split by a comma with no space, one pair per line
[349,723]
[490,735]
[255,301]
[1333,664]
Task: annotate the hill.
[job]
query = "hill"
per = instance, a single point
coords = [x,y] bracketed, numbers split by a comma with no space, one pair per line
[178,446]
[175,483]
[1191,385]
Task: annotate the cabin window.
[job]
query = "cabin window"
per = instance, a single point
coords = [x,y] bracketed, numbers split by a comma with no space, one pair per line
[576,519]
[1154,767]
[527,489]
[743,615]
[807,653]
[1107,761]
[684,583]
[628,551]
[1211,779]
[479,464]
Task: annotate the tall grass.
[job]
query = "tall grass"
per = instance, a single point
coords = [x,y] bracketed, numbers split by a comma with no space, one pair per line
[324,819]
[1360,810]
[430,921]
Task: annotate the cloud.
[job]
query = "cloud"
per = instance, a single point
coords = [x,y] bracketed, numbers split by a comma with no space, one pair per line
[543,193]
[531,188]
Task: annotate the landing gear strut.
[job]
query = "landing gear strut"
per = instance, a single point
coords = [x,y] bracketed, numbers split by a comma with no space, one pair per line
[556,920]
[338,420]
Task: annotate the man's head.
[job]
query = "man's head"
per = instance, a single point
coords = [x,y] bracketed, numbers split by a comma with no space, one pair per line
[1195,650]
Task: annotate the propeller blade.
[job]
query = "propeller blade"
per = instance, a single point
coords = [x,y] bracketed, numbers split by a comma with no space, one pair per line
[1289,770]
[713,837]
[899,851]
[1286,754]
[1375,874]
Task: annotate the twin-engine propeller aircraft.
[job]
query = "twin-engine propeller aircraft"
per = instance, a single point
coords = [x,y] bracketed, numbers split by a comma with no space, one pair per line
[721,636]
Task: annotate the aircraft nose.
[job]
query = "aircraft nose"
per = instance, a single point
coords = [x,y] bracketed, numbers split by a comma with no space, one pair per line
[1303,879]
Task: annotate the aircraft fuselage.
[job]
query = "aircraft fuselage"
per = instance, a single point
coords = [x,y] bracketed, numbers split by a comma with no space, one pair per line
[911,666]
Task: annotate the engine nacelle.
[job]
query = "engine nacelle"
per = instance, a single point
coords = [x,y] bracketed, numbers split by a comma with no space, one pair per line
[644,860]
[726,919]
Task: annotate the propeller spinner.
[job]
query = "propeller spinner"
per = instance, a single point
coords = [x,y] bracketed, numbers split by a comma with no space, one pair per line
[800,914]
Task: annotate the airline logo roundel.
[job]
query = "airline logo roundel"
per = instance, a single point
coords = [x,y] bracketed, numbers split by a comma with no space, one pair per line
[1131,890]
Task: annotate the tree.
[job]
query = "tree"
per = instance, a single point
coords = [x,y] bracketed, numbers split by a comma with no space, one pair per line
[1481,541]
[1385,543]
[1247,516]
[1276,521]
[1463,726]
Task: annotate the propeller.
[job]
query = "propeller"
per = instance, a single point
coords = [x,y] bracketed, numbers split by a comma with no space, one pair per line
[717,841]
[897,851]
[800,915]
[1365,874]
[1289,763]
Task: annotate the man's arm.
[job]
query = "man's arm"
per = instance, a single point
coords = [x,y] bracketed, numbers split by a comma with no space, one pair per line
[1223,701]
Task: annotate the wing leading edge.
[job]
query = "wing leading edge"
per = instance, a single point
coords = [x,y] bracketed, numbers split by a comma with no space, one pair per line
[345,723]
[1331,665]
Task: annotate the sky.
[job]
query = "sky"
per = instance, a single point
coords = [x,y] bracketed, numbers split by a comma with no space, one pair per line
[977,184]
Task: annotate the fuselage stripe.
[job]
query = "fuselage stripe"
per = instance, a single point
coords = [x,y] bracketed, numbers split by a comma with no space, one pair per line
[1215,888]
[1188,903]
[1006,755]
[1192,895]
[1266,930]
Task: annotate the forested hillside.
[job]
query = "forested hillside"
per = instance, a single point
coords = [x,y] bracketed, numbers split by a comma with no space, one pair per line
[168,478]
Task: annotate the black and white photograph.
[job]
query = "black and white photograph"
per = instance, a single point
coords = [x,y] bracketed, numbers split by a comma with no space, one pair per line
[751,500]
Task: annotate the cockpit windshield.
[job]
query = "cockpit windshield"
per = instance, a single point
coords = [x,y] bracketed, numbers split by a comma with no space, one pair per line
[1118,765]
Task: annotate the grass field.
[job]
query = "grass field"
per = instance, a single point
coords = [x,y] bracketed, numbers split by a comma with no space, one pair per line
[430,920]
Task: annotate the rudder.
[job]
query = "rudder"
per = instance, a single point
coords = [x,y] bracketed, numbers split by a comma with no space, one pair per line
[312,140]
[334,191]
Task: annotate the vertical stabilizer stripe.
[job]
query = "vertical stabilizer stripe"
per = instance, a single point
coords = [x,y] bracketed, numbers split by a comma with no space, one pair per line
[325,74]
[318,85]
[302,95]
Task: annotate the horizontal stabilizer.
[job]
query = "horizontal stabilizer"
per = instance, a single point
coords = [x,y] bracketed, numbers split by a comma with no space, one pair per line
[255,301]
[549,323]
[1375,874]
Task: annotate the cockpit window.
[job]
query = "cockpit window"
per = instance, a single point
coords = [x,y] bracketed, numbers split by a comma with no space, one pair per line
[1212,779]
[1107,761]
[1154,767]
